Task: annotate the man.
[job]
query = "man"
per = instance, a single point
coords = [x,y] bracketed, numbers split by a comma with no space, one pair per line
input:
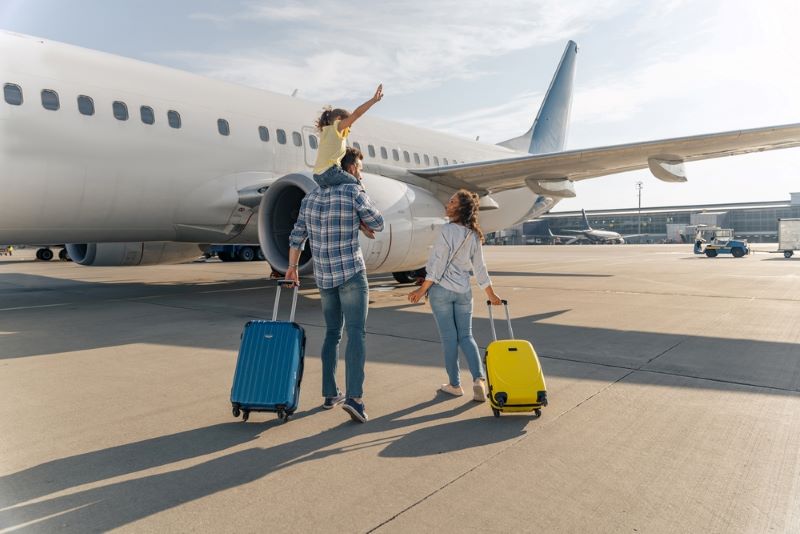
[330,218]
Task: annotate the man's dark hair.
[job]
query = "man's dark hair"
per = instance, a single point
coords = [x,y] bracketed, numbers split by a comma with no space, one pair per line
[350,157]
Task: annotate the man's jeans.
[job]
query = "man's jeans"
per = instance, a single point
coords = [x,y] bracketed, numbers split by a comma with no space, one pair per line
[348,301]
[453,314]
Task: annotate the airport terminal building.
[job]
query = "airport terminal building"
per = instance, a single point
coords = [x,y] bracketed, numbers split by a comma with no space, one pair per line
[755,221]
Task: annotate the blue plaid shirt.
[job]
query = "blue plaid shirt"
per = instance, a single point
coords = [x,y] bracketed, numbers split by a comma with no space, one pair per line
[329,218]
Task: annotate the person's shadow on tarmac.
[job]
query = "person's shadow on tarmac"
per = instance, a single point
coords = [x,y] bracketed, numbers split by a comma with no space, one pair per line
[123,502]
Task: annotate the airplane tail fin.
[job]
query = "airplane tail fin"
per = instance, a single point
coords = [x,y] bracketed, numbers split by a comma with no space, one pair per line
[549,130]
[585,219]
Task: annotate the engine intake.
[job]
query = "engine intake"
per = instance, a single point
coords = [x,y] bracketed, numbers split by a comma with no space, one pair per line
[126,254]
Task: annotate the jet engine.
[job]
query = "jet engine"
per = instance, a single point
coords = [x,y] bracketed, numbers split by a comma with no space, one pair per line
[411,215]
[119,254]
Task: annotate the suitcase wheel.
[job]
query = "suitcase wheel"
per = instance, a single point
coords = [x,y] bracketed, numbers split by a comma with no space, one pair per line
[283,415]
[496,412]
[236,411]
[538,412]
[245,415]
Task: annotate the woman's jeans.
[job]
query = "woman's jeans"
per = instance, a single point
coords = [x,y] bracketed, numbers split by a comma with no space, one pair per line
[334,175]
[347,302]
[453,314]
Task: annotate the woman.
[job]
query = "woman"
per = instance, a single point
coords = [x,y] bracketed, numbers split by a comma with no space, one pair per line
[458,251]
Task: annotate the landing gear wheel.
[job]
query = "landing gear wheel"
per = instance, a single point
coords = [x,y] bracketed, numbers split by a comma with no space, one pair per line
[260,254]
[496,412]
[236,412]
[62,255]
[404,277]
[538,412]
[245,415]
[247,254]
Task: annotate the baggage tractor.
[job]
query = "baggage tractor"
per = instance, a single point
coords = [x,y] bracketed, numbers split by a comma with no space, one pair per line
[269,368]
[513,373]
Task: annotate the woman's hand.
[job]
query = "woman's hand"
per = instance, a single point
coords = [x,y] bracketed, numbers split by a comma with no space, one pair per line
[492,296]
[416,296]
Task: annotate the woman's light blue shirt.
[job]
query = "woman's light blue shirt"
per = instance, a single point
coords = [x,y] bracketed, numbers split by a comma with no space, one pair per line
[468,259]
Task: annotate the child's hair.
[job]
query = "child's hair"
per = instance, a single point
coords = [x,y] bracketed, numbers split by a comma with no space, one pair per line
[329,115]
[468,211]
[351,156]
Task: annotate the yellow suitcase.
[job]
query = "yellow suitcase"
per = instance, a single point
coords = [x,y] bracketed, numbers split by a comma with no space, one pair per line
[514,375]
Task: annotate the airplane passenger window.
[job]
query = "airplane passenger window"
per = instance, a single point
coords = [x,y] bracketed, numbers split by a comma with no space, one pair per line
[120,110]
[357,145]
[445,161]
[436,161]
[312,142]
[85,105]
[281,137]
[297,139]
[13,94]
[371,150]
[50,100]
[384,154]
[406,157]
[174,119]
[395,154]
[416,158]
[223,127]
[147,114]
[427,159]
[263,133]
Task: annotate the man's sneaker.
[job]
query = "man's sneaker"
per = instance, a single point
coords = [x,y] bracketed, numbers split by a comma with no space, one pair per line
[330,402]
[455,391]
[479,390]
[356,410]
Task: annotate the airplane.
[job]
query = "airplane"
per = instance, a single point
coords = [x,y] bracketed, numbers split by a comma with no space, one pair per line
[596,236]
[131,163]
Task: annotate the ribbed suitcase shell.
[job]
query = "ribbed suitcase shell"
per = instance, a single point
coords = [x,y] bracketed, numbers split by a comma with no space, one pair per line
[513,369]
[269,368]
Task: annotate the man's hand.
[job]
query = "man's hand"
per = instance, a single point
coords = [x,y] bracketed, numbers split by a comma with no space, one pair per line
[369,232]
[291,274]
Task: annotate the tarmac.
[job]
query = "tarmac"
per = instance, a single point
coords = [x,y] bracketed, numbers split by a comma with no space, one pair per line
[673,379]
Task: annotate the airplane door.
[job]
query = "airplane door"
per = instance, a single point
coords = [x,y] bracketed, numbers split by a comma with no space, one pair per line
[310,145]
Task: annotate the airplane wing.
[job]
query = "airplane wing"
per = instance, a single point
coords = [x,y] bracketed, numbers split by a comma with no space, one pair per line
[665,159]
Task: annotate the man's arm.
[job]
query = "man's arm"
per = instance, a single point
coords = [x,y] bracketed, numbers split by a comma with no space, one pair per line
[367,212]
[296,241]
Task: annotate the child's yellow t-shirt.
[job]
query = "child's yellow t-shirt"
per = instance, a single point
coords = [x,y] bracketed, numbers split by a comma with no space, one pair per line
[332,146]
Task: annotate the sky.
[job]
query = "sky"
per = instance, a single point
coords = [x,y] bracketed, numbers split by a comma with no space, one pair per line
[645,69]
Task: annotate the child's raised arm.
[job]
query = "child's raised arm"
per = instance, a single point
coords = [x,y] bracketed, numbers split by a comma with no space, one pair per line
[360,110]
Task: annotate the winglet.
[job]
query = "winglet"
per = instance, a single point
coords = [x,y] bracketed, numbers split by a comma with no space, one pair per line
[549,130]
[585,219]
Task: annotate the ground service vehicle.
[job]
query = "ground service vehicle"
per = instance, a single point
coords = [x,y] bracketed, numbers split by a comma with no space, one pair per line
[788,236]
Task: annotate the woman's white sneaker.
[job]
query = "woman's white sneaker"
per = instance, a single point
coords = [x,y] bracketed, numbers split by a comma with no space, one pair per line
[455,391]
[479,390]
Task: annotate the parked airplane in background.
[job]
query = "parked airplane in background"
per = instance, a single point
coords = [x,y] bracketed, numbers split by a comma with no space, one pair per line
[595,236]
[131,163]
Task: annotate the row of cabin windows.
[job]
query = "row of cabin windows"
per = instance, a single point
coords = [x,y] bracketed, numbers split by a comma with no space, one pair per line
[50,101]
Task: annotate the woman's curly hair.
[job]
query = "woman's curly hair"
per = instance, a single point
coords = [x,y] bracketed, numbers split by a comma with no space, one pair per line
[329,115]
[468,211]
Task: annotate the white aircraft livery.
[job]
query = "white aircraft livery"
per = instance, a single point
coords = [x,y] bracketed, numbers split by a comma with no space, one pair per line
[131,163]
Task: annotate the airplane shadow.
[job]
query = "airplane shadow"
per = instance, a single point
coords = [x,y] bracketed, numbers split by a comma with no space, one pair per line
[121,503]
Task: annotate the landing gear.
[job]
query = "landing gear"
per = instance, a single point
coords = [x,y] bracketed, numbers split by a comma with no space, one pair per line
[410,277]
[63,255]
[247,254]
[44,254]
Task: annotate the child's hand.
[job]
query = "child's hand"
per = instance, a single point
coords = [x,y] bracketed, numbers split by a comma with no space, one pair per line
[378,93]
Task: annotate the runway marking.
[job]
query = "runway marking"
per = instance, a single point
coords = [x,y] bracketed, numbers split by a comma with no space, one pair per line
[38,306]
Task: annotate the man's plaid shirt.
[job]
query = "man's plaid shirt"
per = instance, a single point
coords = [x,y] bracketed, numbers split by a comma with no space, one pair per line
[329,218]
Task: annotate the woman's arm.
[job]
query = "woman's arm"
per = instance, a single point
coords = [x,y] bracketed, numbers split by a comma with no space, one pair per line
[360,110]
[417,294]
[482,273]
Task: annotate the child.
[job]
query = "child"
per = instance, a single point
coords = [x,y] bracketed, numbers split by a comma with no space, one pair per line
[334,126]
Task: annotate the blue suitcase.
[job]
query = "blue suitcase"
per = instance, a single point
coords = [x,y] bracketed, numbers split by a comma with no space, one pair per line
[269,368]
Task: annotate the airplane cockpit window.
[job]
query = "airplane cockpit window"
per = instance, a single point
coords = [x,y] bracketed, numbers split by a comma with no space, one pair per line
[50,100]
[406,156]
[427,159]
[416,158]
[312,142]
[395,154]
[223,127]
[371,150]
[263,133]
[297,139]
[436,161]
[174,118]
[384,154]
[85,105]
[120,110]
[13,94]
[281,136]
[147,114]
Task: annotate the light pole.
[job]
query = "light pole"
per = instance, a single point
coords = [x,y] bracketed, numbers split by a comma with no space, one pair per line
[639,191]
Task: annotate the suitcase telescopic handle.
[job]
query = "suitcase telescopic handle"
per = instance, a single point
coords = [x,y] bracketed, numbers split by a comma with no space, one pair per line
[491,319]
[282,283]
